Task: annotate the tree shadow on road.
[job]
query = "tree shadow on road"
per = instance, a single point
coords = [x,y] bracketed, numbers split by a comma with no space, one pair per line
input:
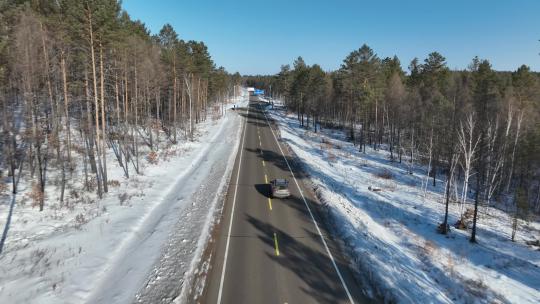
[278,160]
[307,259]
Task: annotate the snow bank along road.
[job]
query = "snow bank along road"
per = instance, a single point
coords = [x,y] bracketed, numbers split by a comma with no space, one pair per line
[270,250]
[185,218]
[143,250]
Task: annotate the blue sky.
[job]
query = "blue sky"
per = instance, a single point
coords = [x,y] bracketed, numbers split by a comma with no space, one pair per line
[257,37]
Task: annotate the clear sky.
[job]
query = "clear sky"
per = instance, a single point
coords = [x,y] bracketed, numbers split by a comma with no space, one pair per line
[257,37]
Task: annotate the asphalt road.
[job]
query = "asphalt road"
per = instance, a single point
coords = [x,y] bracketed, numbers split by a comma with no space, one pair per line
[273,250]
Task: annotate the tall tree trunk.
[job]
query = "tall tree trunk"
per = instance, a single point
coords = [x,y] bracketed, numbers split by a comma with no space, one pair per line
[117,124]
[136,124]
[449,178]
[126,135]
[174,100]
[89,129]
[66,104]
[103,122]
[96,103]
[43,157]
[511,170]
[198,104]
[430,157]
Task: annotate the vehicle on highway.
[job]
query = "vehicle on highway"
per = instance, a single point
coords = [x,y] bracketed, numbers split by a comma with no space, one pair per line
[280,188]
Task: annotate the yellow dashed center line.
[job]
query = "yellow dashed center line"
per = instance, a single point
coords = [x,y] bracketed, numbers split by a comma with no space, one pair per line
[276,244]
[266,178]
[270,204]
[264,164]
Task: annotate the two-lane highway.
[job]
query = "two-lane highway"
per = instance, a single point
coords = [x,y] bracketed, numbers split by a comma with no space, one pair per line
[273,250]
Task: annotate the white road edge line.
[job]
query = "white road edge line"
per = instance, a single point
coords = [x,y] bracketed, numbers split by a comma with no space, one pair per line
[311,214]
[232,212]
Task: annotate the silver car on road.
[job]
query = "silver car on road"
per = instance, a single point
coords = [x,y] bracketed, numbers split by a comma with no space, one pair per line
[280,188]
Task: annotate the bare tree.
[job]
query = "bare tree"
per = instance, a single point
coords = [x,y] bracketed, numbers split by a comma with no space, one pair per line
[468,145]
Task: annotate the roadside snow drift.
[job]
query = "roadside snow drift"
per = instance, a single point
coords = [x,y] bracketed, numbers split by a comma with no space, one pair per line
[149,227]
[391,234]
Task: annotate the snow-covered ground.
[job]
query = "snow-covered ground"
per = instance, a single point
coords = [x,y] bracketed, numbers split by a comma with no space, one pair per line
[118,249]
[391,234]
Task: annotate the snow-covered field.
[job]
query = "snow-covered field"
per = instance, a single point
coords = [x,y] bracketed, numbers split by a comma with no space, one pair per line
[118,249]
[391,234]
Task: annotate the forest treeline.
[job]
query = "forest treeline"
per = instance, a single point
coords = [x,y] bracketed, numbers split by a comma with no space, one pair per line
[80,80]
[476,129]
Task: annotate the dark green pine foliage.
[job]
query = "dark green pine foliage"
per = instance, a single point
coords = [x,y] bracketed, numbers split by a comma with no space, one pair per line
[418,114]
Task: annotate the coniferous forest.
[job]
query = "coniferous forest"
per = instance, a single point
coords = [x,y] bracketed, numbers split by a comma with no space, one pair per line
[477,128]
[81,78]
[135,168]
